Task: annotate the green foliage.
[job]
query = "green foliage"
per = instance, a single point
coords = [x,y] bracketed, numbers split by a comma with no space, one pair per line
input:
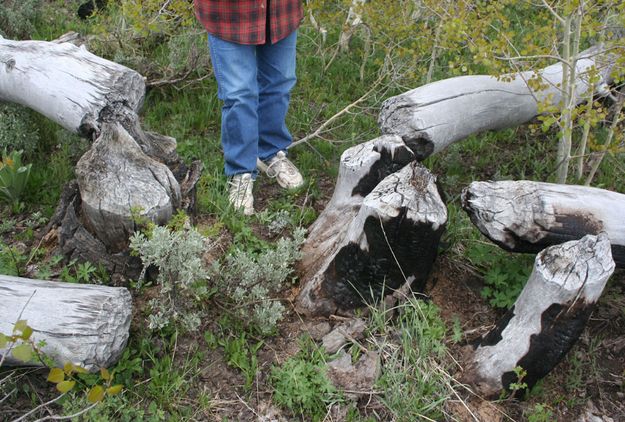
[504,273]
[12,260]
[17,126]
[13,177]
[249,280]
[17,18]
[413,379]
[300,384]
[182,276]
[241,355]
[540,412]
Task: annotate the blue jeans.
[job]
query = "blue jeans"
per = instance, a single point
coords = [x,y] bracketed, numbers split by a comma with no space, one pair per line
[254,82]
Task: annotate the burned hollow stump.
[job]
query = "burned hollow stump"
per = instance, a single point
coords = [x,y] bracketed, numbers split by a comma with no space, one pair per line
[526,216]
[85,324]
[392,240]
[546,319]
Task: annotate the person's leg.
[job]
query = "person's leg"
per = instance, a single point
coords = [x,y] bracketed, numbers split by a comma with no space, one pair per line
[235,69]
[276,78]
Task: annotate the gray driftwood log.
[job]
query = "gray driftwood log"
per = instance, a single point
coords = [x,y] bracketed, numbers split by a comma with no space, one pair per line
[546,319]
[433,116]
[86,325]
[121,176]
[392,240]
[525,216]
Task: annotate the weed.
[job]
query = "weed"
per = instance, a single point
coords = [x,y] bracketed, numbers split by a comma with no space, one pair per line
[539,413]
[300,384]
[240,355]
[505,273]
[13,178]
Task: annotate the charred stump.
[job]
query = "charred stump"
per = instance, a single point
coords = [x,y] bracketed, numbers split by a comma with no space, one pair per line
[86,325]
[525,216]
[433,116]
[392,240]
[546,319]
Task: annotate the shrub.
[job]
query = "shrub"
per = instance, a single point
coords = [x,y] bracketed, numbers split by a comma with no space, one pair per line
[249,279]
[17,17]
[18,130]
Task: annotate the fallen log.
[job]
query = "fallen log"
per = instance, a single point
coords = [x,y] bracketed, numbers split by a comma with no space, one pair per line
[525,216]
[361,168]
[393,240]
[546,319]
[433,116]
[86,325]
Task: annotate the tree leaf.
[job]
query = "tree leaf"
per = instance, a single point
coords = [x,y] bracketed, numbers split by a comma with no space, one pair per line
[20,325]
[56,375]
[23,352]
[115,389]
[26,333]
[65,386]
[96,394]
[4,340]
[104,373]
[68,368]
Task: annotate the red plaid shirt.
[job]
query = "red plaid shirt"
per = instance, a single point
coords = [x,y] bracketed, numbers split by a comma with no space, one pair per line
[245,21]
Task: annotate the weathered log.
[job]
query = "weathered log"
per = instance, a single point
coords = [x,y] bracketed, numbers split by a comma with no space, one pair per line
[546,319]
[115,177]
[65,83]
[86,325]
[392,240]
[525,216]
[433,116]
[361,168]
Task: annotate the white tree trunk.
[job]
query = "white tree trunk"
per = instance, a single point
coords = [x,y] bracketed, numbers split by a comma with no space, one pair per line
[546,319]
[354,18]
[525,216]
[433,116]
[86,325]
[65,83]
[393,240]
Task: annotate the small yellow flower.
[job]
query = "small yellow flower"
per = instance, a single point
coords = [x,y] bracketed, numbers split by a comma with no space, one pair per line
[8,162]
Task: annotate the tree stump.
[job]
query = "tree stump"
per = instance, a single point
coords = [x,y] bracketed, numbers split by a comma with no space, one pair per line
[84,324]
[393,240]
[433,116]
[546,319]
[122,175]
[525,216]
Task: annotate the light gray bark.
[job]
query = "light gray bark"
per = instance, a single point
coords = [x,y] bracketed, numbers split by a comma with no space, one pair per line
[546,319]
[433,116]
[86,325]
[525,216]
[116,178]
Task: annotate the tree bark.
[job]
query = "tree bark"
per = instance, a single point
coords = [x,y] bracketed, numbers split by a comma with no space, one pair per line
[86,325]
[433,116]
[524,216]
[547,318]
[393,240]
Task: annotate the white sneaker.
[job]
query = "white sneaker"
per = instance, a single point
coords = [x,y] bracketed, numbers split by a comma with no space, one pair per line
[284,171]
[240,192]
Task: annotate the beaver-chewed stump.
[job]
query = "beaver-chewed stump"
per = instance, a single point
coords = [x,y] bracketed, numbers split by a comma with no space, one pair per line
[525,216]
[127,173]
[392,240]
[547,318]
